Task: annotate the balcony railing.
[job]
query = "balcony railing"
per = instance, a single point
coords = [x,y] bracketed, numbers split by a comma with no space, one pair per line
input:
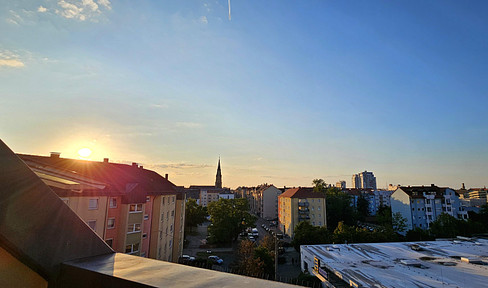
[303,204]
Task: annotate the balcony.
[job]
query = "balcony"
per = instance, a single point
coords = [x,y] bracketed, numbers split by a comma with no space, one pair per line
[303,204]
[303,211]
[303,218]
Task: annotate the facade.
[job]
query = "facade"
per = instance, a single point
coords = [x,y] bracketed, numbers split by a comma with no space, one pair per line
[341,184]
[263,201]
[364,180]
[226,196]
[119,202]
[301,204]
[398,264]
[421,205]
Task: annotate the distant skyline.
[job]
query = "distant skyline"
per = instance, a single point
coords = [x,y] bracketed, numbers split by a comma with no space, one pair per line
[284,92]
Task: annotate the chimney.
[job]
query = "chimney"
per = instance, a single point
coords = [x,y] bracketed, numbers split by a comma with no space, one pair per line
[432,185]
[105,160]
[134,164]
[141,167]
[55,154]
[166,176]
[464,188]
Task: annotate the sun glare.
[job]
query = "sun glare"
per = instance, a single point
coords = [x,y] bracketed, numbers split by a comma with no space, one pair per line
[84,152]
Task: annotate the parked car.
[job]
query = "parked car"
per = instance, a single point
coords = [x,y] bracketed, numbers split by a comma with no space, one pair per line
[216,260]
[186,259]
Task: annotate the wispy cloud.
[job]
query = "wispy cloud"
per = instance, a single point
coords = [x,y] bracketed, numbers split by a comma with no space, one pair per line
[11,63]
[41,9]
[188,124]
[10,59]
[82,10]
[182,165]
[14,18]
[159,106]
[204,20]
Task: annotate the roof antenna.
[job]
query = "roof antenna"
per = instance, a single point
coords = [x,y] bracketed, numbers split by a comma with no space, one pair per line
[229,11]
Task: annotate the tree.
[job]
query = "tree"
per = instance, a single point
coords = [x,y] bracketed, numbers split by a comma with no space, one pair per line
[362,207]
[255,261]
[339,206]
[306,234]
[383,216]
[398,222]
[229,217]
[446,226]
[194,214]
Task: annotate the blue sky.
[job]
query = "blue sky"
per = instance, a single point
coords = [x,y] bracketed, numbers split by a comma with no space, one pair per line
[284,92]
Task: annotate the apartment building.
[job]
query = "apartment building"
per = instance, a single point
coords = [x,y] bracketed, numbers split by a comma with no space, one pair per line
[301,204]
[263,201]
[117,201]
[421,205]
[364,180]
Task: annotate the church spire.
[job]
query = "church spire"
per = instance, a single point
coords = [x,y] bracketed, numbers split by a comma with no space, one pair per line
[218,178]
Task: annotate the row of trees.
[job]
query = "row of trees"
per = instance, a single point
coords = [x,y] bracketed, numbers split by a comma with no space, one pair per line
[257,261]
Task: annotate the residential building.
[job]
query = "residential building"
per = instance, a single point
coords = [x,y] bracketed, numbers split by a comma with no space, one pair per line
[341,184]
[301,204]
[457,263]
[364,180]
[226,195]
[117,201]
[421,205]
[263,201]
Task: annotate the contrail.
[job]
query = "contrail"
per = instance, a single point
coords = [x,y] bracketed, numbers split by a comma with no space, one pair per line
[229,10]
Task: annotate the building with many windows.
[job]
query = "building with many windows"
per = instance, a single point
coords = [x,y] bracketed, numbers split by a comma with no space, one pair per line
[119,202]
[421,205]
[301,204]
[364,180]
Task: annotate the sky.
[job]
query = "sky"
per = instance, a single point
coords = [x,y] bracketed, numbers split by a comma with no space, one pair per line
[283,92]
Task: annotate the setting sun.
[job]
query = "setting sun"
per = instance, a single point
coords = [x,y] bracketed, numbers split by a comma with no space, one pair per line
[84,152]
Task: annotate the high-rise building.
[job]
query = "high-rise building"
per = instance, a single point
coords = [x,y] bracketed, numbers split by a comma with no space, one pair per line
[364,180]
[341,184]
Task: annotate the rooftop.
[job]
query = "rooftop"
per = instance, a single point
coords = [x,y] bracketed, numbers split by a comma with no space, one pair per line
[301,192]
[431,264]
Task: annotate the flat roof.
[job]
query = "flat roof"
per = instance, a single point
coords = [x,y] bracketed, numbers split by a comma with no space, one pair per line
[396,264]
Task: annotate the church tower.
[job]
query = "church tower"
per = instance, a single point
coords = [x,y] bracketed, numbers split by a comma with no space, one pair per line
[218,178]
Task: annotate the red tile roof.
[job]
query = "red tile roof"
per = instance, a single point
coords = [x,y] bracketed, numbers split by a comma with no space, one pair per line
[301,192]
[118,176]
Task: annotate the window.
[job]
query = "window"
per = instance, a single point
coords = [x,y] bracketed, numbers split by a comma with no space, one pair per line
[134,228]
[167,215]
[429,209]
[320,223]
[144,235]
[148,198]
[427,201]
[163,200]
[313,223]
[318,200]
[132,248]
[92,224]
[173,213]
[109,242]
[92,204]
[143,254]
[113,202]
[174,198]
[111,223]
[135,208]
[146,217]
[160,235]
[318,208]
[171,228]
[162,217]
[170,243]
